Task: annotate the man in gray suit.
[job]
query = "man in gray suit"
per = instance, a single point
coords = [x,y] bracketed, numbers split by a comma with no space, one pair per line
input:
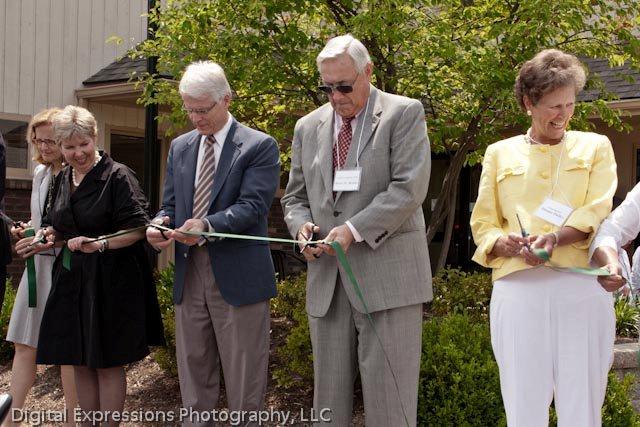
[359,174]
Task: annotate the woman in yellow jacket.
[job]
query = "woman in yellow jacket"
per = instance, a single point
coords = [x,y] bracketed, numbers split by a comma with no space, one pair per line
[552,331]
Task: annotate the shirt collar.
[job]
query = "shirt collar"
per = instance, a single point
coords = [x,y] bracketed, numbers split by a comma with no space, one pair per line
[221,135]
[337,118]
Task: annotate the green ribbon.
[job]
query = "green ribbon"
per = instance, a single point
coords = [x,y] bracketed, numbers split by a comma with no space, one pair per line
[234,236]
[31,272]
[66,252]
[66,258]
[344,263]
[342,259]
[544,255]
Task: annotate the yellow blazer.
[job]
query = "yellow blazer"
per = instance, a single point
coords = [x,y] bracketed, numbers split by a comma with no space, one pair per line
[517,177]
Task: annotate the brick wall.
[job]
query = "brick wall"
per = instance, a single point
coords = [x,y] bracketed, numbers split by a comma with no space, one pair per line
[16,202]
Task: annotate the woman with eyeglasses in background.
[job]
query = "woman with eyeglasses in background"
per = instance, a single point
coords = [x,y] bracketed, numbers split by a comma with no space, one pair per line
[24,326]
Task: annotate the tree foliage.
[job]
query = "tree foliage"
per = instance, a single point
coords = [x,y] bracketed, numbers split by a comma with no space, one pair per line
[459,57]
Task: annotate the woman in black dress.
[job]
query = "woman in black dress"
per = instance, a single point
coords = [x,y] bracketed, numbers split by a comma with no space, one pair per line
[102,312]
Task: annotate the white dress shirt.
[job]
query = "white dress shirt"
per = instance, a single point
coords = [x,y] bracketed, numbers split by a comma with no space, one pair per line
[621,226]
[635,270]
[337,124]
[220,136]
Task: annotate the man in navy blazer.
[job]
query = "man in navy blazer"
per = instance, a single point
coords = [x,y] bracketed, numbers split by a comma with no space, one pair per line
[222,177]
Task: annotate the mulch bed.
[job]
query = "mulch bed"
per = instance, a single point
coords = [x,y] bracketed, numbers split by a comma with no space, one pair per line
[150,388]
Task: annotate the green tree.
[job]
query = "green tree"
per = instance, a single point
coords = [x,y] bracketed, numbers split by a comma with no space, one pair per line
[459,57]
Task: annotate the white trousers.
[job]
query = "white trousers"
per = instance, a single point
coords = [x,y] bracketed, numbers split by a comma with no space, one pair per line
[552,335]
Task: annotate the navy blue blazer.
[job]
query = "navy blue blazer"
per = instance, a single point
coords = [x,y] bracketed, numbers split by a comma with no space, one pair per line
[245,182]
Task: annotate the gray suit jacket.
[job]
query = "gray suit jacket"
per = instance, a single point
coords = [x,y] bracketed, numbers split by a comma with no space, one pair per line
[392,263]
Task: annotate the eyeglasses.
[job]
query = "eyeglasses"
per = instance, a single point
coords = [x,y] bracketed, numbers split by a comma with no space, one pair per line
[328,89]
[198,111]
[47,142]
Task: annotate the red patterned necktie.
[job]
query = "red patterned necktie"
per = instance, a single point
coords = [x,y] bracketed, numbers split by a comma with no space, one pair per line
[202,195]
[342,147]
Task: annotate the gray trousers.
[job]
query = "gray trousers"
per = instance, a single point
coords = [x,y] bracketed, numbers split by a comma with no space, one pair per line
[209,332]
[343,342]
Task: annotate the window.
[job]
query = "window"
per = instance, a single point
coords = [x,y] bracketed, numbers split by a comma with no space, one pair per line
[129,150]
[14,129]
[14,133]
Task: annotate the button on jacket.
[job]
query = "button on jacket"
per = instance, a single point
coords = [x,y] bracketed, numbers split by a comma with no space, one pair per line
[516,179]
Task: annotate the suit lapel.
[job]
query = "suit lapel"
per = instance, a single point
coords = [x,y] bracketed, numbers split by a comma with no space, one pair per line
[325,150]
[188,162]
[230,152]
[364,131]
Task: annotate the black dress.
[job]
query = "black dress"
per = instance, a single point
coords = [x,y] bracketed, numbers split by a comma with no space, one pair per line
[103,312]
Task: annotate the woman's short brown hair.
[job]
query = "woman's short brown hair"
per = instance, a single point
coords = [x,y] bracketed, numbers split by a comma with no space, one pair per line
[44,117]
[547,71]
[74,120]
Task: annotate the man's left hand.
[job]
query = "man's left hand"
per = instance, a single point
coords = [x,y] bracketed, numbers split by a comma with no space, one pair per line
[193,224]
[341,234]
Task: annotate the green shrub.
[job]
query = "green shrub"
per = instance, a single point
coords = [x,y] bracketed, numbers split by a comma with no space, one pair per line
[457,292]
[291,296]
[295,356]
[459,381]
[166,356]
[617,410]
[6,347]
[627,317]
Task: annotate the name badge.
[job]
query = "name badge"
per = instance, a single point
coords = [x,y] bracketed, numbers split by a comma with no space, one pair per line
[347,180]
[554,212]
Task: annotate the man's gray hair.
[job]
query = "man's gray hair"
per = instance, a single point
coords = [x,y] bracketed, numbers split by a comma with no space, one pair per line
[349,45]
[204,79]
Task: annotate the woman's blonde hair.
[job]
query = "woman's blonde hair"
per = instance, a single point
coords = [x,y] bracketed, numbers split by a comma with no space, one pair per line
[74,120]
[44,117]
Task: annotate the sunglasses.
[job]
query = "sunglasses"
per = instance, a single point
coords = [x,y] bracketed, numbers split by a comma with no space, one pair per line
[342,88]
[328,89]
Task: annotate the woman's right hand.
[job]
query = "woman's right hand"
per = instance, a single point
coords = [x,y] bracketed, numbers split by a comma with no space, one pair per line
[508,246]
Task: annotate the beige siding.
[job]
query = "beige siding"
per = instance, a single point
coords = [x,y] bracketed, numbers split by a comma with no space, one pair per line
[48,47]
[625,146]
[113,117]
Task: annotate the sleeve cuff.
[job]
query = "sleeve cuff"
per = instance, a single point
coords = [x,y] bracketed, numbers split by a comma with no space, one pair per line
[209,229]
[208,225]
[600,241]
[586,222]
[482,256]
[358,238]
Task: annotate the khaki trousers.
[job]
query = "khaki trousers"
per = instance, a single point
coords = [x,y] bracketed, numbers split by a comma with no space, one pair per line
[211,333]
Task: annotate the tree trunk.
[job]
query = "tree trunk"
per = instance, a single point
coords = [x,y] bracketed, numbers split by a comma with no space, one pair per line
[448,230]
[443,207]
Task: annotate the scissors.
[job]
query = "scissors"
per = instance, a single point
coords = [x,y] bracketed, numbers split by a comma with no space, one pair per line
[523,232]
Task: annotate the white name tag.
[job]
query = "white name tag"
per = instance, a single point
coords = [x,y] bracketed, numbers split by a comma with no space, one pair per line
[347,179]
[554,212]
